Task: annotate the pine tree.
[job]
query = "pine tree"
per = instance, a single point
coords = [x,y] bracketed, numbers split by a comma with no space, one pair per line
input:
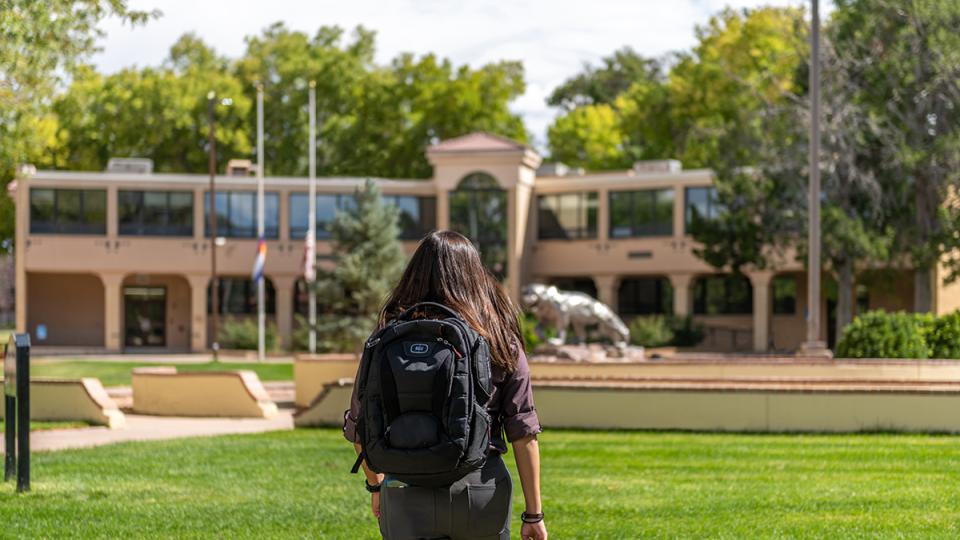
[369,260]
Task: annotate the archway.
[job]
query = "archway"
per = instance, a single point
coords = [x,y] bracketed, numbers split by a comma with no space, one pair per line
[478,210]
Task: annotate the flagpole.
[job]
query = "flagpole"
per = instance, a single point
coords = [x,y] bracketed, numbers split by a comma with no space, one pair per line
[312,214]
[261,312]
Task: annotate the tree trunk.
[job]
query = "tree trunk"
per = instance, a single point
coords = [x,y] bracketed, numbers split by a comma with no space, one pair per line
[844,297]
[922,290]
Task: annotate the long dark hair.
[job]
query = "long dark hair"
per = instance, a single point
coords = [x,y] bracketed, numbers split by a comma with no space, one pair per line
[446,269]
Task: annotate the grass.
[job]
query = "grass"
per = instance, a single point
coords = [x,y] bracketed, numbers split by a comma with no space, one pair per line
[595,485]
[36,425]
[118,373]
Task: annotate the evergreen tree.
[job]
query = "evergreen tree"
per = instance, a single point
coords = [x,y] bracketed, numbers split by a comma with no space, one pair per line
[369,262]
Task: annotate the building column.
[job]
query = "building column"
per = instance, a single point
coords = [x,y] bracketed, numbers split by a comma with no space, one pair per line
[607,289]
[518,205]
[603,215]
[112,298]
[443,208]
[283,288]
[761,309]
[681,284]
[21,197]
[198,312]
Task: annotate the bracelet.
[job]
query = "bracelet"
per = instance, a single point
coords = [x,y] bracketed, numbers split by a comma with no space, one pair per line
[531,518]
[371,489]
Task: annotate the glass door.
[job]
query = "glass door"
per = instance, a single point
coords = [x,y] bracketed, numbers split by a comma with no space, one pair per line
[145,316]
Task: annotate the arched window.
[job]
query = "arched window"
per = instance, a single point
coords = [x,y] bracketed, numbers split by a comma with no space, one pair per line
[478,210]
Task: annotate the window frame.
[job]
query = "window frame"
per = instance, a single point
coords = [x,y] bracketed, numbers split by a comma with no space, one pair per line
[55,225]
[142,228]
[225,227]
[713,206]
[586,201]
[636,228]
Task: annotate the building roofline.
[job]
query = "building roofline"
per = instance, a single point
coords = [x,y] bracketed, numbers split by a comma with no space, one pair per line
[199,179]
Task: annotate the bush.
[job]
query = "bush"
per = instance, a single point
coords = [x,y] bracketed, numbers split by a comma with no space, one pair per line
[652,331]
[686,333]
[242,334]
[661,331]
[878,334]
[335,334]
[943,337]
[528,329]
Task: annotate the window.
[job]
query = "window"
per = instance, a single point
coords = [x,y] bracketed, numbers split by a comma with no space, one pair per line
[237,214]
[155,213]
[478,210]
[68,211]
[238,296]
[645,296]
[418,215]
[784,295]
[641,213]
[722,295]
[576,284]
[701,203]
[567,215]
[327,207]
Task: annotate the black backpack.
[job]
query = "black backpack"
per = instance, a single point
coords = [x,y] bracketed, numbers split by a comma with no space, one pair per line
[423,387]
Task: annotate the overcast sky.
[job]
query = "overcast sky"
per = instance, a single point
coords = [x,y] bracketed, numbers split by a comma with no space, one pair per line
[553,38]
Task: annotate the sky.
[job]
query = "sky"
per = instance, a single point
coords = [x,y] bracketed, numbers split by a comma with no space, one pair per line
[553,38]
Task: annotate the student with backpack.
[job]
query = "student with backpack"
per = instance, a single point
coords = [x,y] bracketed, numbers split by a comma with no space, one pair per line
[443,384]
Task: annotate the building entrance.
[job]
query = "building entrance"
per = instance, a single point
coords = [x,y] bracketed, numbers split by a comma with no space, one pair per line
[145,315]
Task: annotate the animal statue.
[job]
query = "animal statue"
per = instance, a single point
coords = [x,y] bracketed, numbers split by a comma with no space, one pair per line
[561,309]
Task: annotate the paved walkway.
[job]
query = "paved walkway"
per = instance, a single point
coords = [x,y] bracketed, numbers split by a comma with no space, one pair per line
[154,428]
[51,355]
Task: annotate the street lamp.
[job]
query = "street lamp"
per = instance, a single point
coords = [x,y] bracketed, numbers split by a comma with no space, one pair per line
[214,239]
[814,346]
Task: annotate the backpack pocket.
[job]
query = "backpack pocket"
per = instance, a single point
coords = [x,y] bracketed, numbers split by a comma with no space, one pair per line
[413,430]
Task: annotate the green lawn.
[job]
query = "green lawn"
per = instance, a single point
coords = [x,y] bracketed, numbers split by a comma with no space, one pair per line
[596,485]
[44,426]
[118,373]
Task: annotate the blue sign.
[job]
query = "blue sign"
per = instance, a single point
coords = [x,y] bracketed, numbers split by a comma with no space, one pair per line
[41,332]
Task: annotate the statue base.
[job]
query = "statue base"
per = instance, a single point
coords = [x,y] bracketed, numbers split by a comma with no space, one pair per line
[590,352]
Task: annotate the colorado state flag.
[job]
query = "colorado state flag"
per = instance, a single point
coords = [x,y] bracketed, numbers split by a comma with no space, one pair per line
[260,261]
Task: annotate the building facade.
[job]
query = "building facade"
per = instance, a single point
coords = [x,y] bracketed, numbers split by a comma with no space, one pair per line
[121,260]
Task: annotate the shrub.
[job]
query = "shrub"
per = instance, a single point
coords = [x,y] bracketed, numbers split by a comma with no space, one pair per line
[242,334]
[660,331]
[528,329]
[335,334]
[944,336]
[652,331]
[686,333]
[878,334]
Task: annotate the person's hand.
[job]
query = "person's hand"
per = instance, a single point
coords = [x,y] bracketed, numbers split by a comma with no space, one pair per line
[375,505]
[533,531]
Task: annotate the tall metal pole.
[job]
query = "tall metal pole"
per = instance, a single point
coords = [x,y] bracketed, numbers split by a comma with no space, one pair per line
[261,308]
[814,345]
[312,212]
[212,166]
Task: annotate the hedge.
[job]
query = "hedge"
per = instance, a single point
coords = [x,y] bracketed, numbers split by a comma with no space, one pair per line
[878,334]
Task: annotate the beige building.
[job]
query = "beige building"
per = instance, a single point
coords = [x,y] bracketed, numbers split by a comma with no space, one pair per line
[120,260]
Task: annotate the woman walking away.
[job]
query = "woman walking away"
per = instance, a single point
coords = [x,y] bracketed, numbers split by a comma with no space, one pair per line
[443,384]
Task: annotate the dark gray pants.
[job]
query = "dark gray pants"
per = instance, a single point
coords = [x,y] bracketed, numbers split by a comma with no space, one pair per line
[476,507]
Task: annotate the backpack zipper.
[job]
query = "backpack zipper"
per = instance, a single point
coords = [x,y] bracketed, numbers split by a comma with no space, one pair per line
[448,344]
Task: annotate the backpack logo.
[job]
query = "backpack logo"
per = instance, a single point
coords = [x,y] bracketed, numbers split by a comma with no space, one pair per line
[419,348]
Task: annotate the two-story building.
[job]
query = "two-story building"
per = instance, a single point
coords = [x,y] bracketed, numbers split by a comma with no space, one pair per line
[121,259]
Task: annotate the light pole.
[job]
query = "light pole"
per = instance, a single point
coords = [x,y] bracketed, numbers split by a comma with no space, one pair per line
[814,346]
[212,169]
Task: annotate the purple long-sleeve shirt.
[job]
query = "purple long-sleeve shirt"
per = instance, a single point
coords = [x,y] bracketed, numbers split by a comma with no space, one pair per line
[511,407]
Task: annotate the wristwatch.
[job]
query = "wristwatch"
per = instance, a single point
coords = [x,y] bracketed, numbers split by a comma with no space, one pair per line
[371,489]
